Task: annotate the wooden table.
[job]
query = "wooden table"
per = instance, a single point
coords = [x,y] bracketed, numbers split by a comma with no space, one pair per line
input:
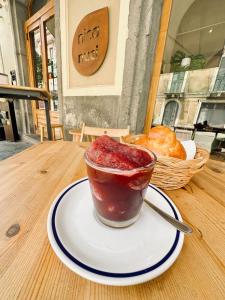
[29,269]
[28,93]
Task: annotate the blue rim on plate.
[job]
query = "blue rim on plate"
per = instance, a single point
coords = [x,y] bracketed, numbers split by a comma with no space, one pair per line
[104,273]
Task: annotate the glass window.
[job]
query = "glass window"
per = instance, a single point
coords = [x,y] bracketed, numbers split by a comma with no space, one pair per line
[37,5]
[213,113]
[37,57]
[177,82]
[51,61]
[193,63]
[220,78]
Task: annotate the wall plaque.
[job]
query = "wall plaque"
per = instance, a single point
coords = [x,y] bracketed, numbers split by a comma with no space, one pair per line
[90,42]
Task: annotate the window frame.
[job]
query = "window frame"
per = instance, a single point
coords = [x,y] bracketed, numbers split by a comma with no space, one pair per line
[158,58]
[37,21]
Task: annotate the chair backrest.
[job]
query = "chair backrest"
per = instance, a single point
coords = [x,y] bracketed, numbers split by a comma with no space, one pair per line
[220,136]
[204,139]
[41,118]
[95,131]
[183,135]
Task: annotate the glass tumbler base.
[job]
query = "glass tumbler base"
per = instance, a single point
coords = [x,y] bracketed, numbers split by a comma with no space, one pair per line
[116,224]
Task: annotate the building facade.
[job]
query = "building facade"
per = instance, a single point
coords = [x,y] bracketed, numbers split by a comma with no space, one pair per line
[193,103]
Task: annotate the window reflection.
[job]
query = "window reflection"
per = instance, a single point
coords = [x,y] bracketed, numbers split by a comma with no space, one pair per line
[37,57]
[193,67]
[36,5]
[51,62]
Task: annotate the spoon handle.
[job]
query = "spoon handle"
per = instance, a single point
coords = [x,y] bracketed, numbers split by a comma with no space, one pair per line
[178,224]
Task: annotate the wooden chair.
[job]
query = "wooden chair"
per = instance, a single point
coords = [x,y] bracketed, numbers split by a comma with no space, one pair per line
[96,131]
[42,128]
[183,135]
[204,139]
[76,133]
[41,124]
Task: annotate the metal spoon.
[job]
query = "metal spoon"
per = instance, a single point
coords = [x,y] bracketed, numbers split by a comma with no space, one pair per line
[178,224]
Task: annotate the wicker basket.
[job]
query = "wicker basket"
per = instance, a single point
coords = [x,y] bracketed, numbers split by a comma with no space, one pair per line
[173,173]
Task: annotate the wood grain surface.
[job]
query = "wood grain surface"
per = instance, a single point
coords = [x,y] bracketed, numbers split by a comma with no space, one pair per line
[19,88]
[29,269]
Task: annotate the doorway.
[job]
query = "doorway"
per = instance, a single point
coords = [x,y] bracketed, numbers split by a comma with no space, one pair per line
[41,53]
[170,113]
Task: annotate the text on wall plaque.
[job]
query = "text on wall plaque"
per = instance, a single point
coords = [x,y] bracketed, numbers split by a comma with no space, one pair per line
[90,42]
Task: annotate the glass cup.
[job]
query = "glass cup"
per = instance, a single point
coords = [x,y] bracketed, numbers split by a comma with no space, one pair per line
[118,194]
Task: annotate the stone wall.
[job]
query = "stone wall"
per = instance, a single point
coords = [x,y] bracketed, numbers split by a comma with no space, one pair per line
[130,107]
[199,81]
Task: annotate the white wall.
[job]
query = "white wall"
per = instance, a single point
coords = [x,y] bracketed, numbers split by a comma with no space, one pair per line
[187,16]
[8,60]
[179,8]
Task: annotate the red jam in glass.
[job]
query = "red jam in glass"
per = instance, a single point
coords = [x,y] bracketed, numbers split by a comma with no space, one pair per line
[119,175]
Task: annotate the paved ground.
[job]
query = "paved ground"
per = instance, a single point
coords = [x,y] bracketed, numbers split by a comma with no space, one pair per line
[8,149]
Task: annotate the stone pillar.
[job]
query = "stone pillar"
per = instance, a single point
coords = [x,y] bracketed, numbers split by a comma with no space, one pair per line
[23,108]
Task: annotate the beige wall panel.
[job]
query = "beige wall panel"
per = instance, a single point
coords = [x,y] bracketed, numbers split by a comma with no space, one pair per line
[77,10]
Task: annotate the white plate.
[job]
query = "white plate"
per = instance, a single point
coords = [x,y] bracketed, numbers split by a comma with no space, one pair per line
[111,256]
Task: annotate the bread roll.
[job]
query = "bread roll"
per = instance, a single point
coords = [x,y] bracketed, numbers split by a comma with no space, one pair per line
[163,142]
